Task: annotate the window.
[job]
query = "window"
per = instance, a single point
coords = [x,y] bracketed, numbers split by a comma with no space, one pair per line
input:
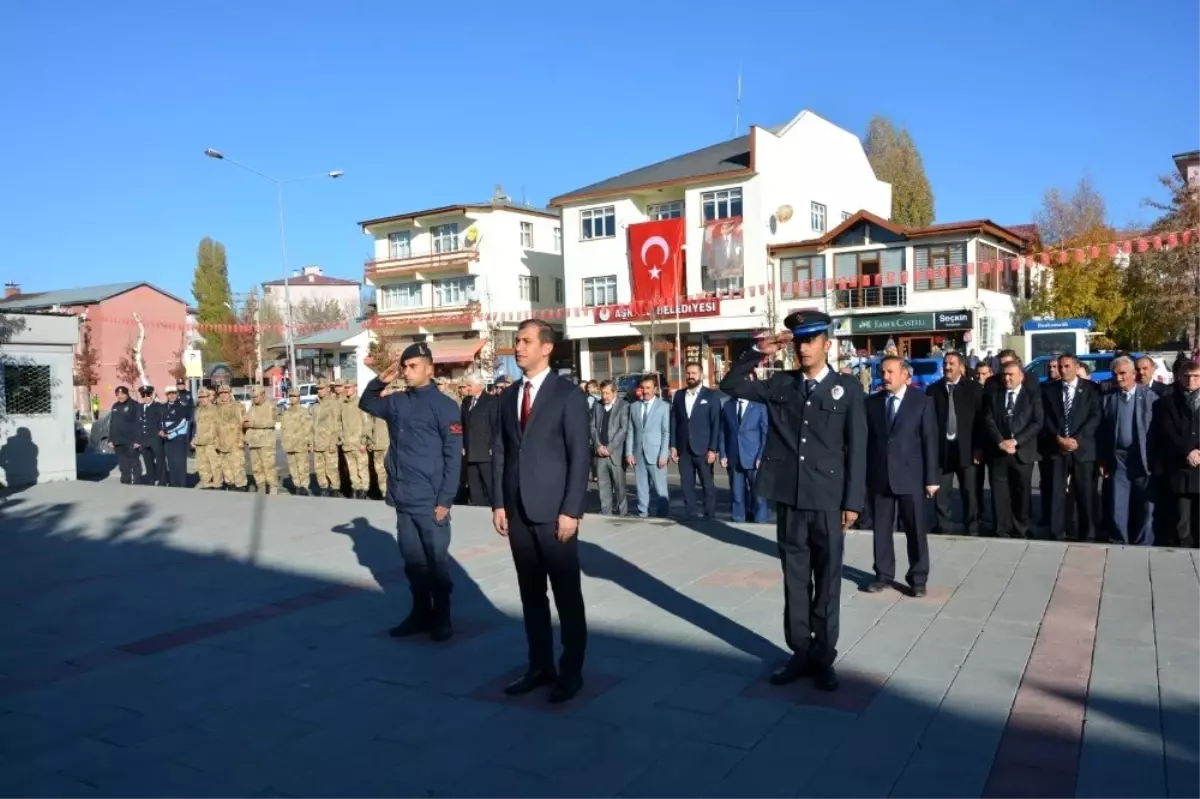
[27,389]
[817,217]
[529,288]
[609,364]
[671,210]
[845,215]
[721,204]
[400,244]
[985,332]
[453,291]
[797,274]
[598,223]
[400,296]
[600,291]
[445,237]
[558,290]
[942,266]
[527,235]
[558,239]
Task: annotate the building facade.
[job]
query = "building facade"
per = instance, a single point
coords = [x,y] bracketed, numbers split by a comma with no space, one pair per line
[772,185]
[910,291]
[311,286]
[461,277]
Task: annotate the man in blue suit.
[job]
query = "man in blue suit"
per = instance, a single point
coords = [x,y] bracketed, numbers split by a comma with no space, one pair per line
[1124,465]
[902,471]
[646,447]
[695,437]
[743,438]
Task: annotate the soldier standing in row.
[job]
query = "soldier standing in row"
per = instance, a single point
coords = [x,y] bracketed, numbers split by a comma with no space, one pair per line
[296,434]
[229,440]
[353,447]
[327,434]
[208,462]
[375,436]
[260,438]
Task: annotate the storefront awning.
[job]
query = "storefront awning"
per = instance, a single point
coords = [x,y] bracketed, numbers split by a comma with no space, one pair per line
[462,351]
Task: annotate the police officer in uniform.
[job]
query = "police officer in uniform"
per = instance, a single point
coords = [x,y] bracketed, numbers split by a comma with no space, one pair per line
[814,470]
[149,443]
[176,433]
[424,463]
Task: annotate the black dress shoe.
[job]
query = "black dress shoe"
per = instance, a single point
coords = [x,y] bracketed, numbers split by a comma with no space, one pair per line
[918,591]
[566,689]
[531,681]
[875,586]
[790,672]
[825,679]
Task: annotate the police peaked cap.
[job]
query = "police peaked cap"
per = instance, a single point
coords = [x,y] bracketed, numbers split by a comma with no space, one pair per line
[807,323]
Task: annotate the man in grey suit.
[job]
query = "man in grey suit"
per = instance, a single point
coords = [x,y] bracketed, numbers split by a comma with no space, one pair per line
[1124,463]
[610,423]
[646,446]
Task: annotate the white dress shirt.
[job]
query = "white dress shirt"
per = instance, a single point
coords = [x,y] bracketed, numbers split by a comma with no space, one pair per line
[820,375]
[535,384]
[689,400]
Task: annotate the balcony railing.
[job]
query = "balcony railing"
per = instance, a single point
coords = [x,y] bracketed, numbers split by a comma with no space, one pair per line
[871,297]
[454,255]
[430,314]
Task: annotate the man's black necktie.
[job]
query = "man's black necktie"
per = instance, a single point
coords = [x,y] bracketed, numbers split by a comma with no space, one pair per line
[741,408]
[809,387]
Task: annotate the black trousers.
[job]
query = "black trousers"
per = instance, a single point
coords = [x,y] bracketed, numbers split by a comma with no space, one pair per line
[911,510]
[810,547]
[154,465]
[1186,517]
[689,466]
[981,473]
[128,463]
[539,555]
[176,452]
[1073,496]
[1012,490]
[968,492]
[479,484]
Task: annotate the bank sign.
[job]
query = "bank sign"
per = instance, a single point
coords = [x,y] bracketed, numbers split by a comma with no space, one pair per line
[643,312]
[904,323]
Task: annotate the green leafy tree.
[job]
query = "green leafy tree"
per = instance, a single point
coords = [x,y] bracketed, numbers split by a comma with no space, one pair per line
[896,160]
[210,287]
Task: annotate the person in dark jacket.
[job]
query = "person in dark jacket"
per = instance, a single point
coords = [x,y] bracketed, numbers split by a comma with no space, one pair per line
[122,434]
[424,464]
[1071,411]
[695,434]
[176,433]
[958,409]
[479,411]
[1175,447]
[1012,417]
[149,443]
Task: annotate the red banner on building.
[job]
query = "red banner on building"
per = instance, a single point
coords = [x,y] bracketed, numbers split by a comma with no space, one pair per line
[655,259]
[663,311]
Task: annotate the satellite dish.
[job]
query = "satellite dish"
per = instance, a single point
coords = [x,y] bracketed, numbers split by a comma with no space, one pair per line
[783,213]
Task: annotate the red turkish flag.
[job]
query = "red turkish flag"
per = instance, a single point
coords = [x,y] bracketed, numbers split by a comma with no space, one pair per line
[655,260]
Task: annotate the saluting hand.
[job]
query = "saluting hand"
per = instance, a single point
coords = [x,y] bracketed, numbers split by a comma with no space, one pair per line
[391,373]
[769,345]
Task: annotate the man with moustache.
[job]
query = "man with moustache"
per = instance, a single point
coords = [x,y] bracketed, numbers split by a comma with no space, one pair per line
[695,433]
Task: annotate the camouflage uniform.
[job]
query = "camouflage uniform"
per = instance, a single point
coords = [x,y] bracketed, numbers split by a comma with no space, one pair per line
[260,438]
[353,440]
[208,463]
[376,438]
[327,434]
[296,433]
[229,442]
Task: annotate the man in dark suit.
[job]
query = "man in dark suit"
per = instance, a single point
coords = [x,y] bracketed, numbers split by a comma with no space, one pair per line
[1122,444]
[1012,421]
[902,470]
[123,426]
[1175,446]
[1072,409]
[814,470]
[695,434]
[743,438]
[540,463]
[610,424]
[148,442]
[958,408]
[997,381]
[479,412]
[1146,368]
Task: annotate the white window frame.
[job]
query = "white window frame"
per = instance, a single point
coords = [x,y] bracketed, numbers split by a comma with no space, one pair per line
[529,287]
[558,239]
[845,215]
[605,216]
[527,235]
[668,210]
[451,292]
[600,290]
[721,203]
[401,296]
[399,245]
[818,216]
[445,237]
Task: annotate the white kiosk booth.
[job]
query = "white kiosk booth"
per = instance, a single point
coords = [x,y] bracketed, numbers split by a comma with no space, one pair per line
[1056,336]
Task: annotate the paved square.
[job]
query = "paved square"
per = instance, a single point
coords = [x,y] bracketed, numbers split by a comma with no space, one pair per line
[163,642]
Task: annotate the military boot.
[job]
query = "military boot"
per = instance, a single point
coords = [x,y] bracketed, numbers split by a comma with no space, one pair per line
[440,628]
[360,494]
[420,618]
[302,491]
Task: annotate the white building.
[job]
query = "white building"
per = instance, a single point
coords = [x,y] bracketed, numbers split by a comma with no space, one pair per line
[311,286]
[785,184]
[443,275]
[914,289]
[37,415]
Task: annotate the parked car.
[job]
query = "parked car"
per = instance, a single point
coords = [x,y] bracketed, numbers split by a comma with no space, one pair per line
[98,437]
[308,395]
[925,372]
[81,438]
[1099,366]
[627,385]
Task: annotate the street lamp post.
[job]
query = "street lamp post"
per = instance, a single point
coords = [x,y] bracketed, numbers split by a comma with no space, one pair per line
[287,296]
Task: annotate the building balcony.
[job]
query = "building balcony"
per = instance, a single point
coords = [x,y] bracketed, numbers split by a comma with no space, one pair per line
[426,315]
[870,297]
[458,258]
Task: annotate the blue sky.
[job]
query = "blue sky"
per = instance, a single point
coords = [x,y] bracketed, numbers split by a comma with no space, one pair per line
[108,108]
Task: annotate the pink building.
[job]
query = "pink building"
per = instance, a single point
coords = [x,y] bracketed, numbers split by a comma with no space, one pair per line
[109,311]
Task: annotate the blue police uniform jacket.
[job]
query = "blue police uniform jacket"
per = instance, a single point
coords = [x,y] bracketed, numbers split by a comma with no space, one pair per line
[424,457]
[176,420]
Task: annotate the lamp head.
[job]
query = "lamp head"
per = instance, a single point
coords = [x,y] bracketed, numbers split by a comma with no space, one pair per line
[211,153]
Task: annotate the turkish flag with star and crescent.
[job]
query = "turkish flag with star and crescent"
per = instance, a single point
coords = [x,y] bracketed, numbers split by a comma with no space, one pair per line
[656,260]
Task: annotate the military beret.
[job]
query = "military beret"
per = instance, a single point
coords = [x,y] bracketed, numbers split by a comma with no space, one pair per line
[418,350]
[807,323]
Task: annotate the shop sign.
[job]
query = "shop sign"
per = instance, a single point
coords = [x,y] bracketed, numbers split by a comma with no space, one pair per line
[952,320]
[904,323]
[688,309]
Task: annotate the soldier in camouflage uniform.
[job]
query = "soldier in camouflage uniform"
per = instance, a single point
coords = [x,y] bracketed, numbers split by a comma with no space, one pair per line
[208,463]
[327,434]
[354,447]
[260,438]
[229,441]
[296,433]
[377,442]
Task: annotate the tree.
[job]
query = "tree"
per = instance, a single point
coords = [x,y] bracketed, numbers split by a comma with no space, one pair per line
[318,313]
[271,324]
[895,158]
[87,360]
[242,346]
[210,287]
[127,369]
